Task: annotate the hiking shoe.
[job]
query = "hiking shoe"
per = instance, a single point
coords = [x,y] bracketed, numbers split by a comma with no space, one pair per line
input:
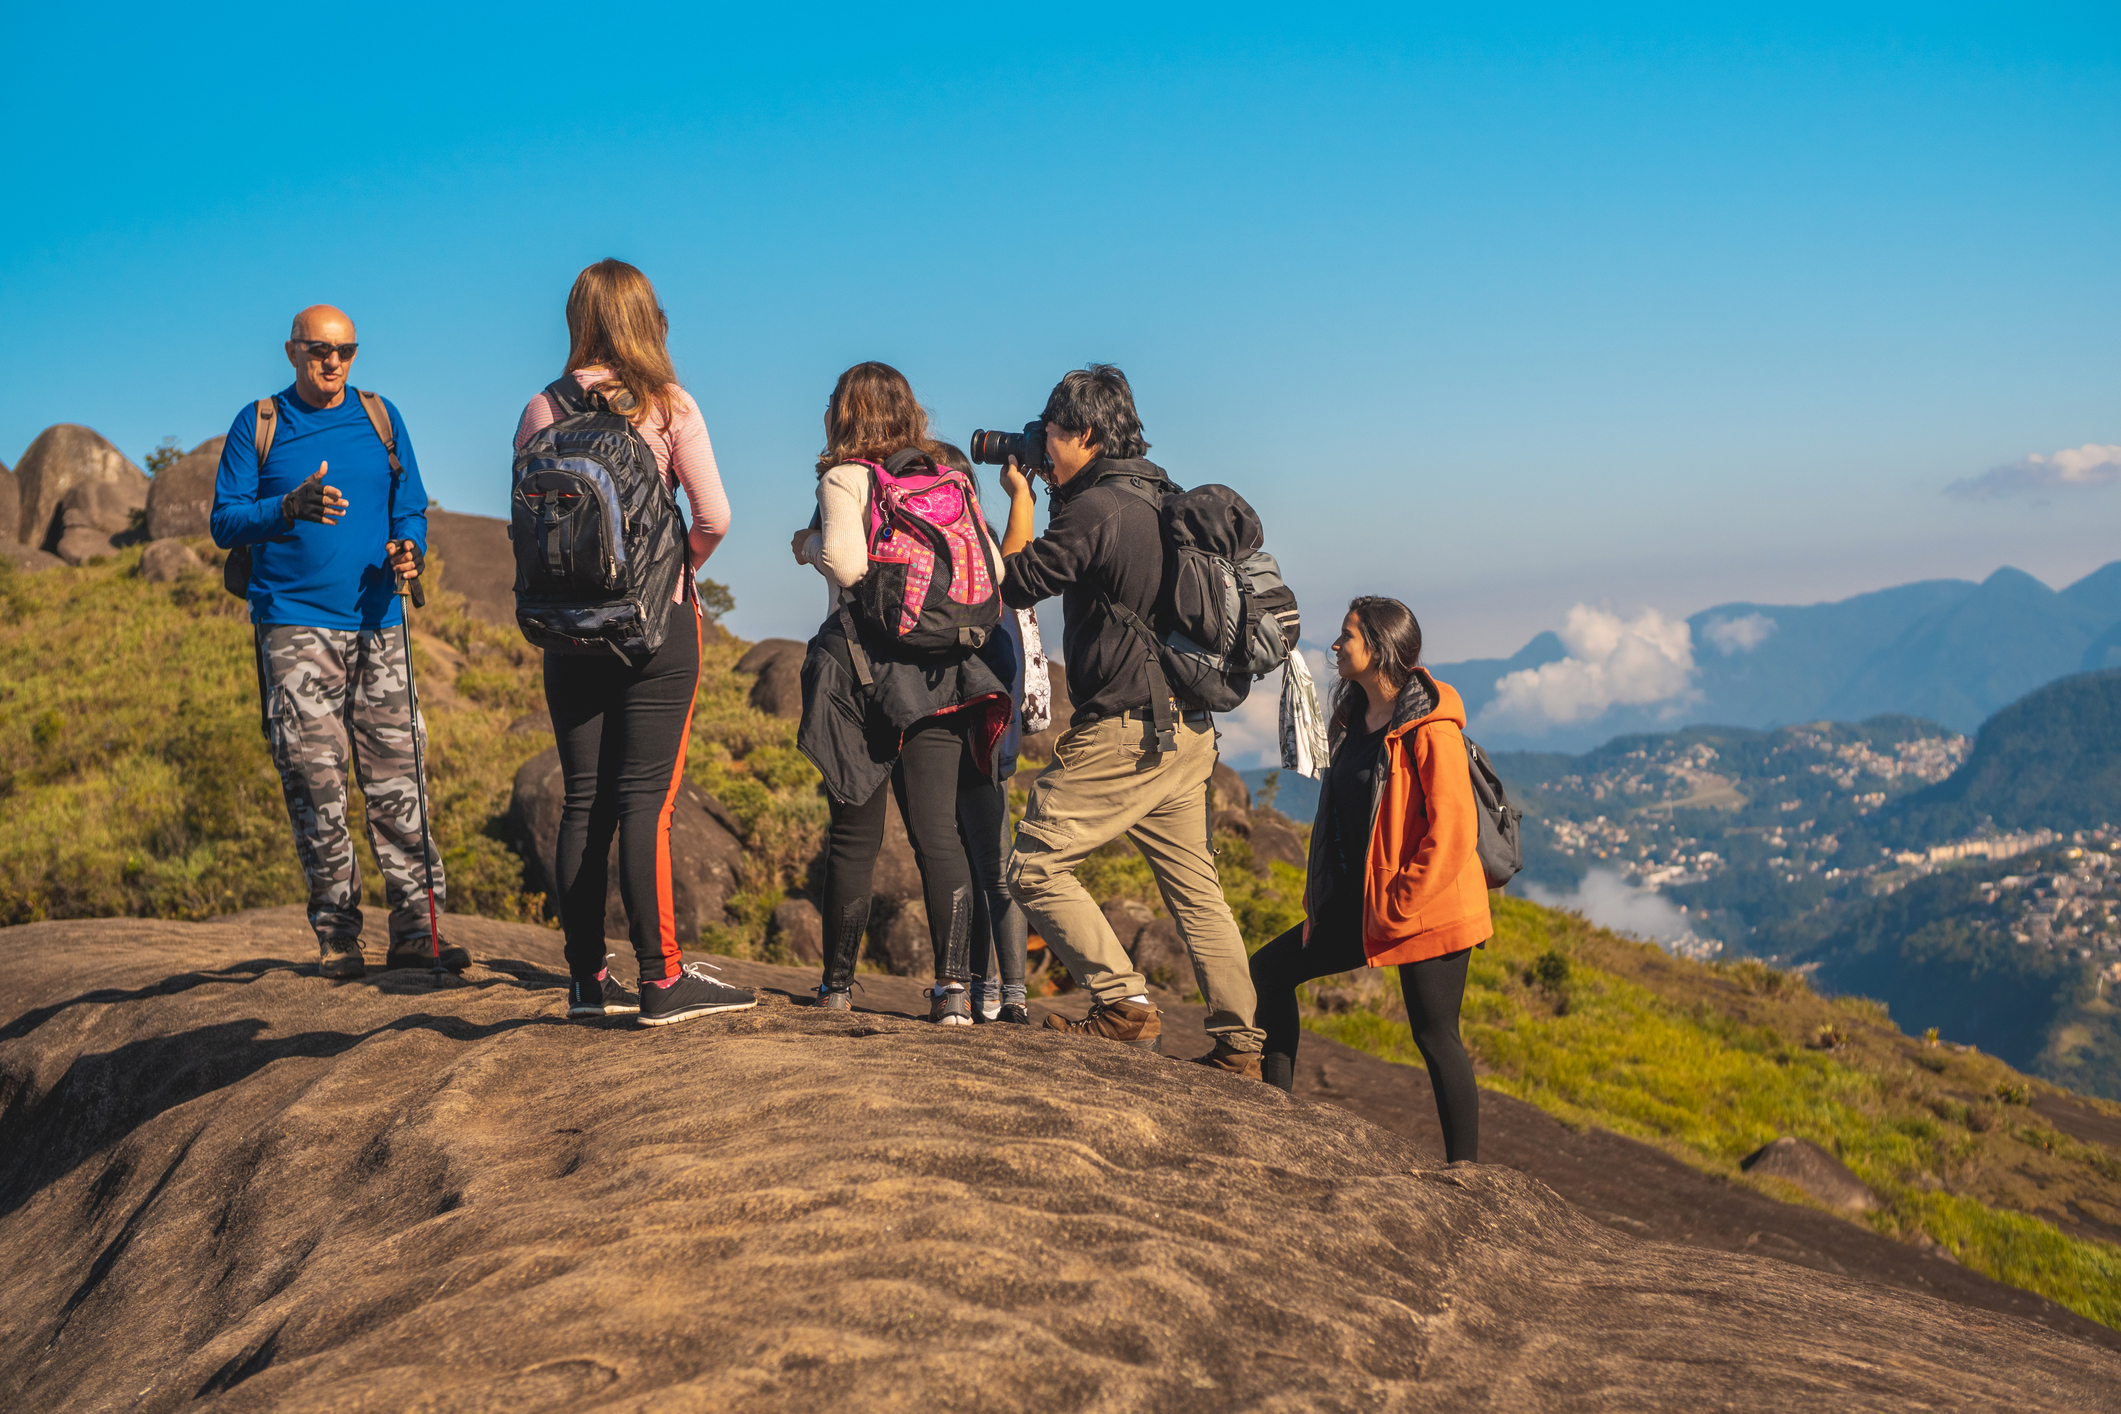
[692,993]
[949,1006]
[341,959]
[601,996]
[1133,1024]
[1014,1014]
[420,952]
[1244,1064]
[835,998]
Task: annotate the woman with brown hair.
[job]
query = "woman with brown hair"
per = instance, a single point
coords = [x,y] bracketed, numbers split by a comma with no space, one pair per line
[621,727]
[879,720]
[1394,877]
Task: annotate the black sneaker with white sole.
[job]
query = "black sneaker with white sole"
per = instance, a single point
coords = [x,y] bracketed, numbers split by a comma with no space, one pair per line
[692,994]
[600,996]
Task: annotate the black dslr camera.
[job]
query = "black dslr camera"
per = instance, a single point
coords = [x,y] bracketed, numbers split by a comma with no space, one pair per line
[1027,446]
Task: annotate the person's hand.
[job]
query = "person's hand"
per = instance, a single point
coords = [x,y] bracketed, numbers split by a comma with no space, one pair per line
[1014,481]
[406,558]
[802,538]
[314,501]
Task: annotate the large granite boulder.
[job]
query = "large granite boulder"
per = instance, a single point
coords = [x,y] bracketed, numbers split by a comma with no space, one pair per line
[704,849]
[799,930]
[164,561]
[1227,790]
[1153,942]
[180,501]
[1273,838]
[10,507]
[60,459]
[779,665]
[476,561]
[228,1183]
[28,558]
[95,517]
[1813,1169]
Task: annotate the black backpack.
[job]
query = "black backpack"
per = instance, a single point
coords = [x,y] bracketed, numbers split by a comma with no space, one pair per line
[599,539]
[1225,616]
[1500,847]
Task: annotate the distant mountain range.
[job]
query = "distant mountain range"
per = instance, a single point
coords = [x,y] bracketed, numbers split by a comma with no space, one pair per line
[1950,651]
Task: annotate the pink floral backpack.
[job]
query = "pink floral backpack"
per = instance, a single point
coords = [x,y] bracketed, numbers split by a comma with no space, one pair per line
[933,586]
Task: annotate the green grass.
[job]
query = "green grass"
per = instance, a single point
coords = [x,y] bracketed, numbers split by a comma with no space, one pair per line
[1711,1063]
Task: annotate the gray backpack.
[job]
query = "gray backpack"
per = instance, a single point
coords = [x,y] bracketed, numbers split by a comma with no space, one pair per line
[1501,848]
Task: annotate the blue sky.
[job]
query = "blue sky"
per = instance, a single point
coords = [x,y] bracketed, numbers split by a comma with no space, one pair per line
[1495,310]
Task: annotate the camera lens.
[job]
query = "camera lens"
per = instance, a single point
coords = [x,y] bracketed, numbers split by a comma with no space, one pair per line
[995,448]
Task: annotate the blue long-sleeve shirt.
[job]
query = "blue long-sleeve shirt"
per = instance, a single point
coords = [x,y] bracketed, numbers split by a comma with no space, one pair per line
[305,574]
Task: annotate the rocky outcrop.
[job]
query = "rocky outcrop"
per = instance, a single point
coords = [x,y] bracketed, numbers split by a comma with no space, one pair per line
[230,1182]
[10,507]
[95,517]
[704,850]
[1153,942]
[779,665]
[798,930]
[60,459]
[166,560]
[476,562]
[180,499]
[1273,839]
[1813,1169]
[27,558]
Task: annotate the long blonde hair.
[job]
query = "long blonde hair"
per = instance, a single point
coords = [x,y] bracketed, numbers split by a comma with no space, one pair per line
[614,321]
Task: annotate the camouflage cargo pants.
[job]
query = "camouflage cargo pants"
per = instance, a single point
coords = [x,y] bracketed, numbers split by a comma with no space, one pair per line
[330,693]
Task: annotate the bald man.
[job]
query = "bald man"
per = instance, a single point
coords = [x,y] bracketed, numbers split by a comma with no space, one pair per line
[331,526]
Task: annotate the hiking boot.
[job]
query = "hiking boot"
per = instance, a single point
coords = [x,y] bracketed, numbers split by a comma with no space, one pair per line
[691,993]
[341,959]
[949,1006]
[835,998]
[1135,1024]
[1014,1014]
[600,996]
[1244,1064]
[420,952]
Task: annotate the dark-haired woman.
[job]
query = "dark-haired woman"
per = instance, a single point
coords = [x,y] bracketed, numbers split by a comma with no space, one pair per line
[622,729]
[888,725]
[1394,878]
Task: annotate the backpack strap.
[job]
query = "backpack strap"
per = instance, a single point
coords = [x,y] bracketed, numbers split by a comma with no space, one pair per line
[1161,702]
[268,423]
[856,654]
[379,418]
[567,396]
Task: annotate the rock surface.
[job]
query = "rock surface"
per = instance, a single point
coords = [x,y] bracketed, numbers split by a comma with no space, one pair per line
[1273,839]
[62,457]
[476,562]
[1153,942]
[704,851]
[166,560]
[1813,1169]
[95,517]
[779,664]
[270,1191]
[180,499]
[10,507]
[27,558]
[798,927]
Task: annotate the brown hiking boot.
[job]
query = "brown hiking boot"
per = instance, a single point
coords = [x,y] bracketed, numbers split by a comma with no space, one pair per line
[1244,1064]
[341,958]
[1135,1024]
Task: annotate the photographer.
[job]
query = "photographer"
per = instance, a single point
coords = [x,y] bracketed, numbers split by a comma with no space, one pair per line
[1104,545]
[325,564]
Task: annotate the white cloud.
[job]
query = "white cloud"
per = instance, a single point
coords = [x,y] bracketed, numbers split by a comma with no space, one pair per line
[1611,662]
[2088,465]
[1738,635]
[1611,902]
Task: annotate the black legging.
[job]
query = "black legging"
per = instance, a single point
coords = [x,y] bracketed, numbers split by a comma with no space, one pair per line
[998,922]
[924,778]
[1433,989]
[622,732]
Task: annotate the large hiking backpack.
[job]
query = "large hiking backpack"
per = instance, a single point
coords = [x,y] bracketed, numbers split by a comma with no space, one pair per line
[599,539]
[1225,616]
[1500,848]
[235,570]
[932,584]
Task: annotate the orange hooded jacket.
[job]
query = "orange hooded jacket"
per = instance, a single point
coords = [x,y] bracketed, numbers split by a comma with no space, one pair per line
[1424,893]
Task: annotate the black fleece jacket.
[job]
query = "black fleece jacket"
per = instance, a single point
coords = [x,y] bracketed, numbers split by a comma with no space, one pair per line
[1102,537]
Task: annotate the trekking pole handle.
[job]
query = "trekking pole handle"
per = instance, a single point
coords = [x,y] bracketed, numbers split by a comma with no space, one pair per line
[414,588]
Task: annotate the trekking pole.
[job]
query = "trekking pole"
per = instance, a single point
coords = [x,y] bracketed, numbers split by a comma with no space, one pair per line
[418,594]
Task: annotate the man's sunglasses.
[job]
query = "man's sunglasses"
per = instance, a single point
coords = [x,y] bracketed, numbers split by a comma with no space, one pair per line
[319,350]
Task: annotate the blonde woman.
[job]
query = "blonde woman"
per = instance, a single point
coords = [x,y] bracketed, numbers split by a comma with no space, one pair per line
[622,727]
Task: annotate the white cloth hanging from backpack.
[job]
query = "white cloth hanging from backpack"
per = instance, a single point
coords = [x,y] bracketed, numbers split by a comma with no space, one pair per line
[1303,726]
[1038,677]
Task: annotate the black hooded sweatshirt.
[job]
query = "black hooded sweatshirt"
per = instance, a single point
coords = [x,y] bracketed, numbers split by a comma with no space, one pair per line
[1103,537]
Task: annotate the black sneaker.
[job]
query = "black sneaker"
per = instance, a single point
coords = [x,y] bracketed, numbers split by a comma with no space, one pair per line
[1014,1014]
[692,994]
[600,996]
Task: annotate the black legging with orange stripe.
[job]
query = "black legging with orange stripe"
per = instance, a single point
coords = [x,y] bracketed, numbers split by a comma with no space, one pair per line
[622,734]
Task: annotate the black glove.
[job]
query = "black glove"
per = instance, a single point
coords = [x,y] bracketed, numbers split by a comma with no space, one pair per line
[305,502]
[419,556]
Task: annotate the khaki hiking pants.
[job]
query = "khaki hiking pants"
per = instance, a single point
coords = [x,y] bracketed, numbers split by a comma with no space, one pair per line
[1107,780]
